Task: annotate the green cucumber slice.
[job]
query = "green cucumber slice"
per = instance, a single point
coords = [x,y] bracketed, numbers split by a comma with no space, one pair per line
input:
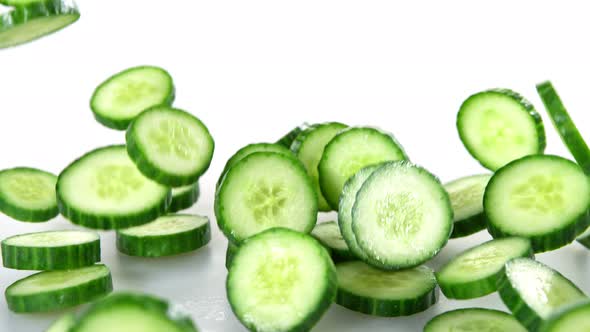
[281,280]
[123,96]
[309,147]
[574,317]
[565,125]
[466,196]
[168,235]
[32,19]
[28,194]
[128,312]
[534,291]
[328,233]
[104,190]
[230,252]
[262,191]
[498,126]
[402,216]
[289,137]
[475,272]
[552,191]
[170,146]
[63,324]
[56,290]
[348,152]
[366,289]
[52,250]
[584,238]
[184,197]
[475,320]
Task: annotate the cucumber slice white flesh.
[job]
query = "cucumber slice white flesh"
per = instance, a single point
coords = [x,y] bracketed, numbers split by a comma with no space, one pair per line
[119,99]
[466,196]
[574,317]
[402,216]
[63,324]
[533,291]
[328,233]
[28,194]
[498,126]
[309,147]
[474,320]
[170,146]
[475,272]
[105,190]
[348,152]
[366,289]
[29,20]
[542,197]
[184,197]
[281,280]
[262,191]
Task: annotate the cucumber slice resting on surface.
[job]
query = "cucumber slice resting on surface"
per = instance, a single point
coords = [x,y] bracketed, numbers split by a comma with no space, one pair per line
[474,319]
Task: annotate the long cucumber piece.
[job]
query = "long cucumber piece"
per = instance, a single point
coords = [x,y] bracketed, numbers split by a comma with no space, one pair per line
[28,194]
[184,197]
[474,320]
[328,233]
[466,196]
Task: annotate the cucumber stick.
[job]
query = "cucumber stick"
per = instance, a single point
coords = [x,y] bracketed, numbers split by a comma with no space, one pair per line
[366,289]
[28,194]
[184,197]
[281,280]
[63,324]
[498,126]
[168,235]
[170,146]
[57,290]
[53,250]
[32,19]
[474,319]
[328,233]
[466,196]
[574,317]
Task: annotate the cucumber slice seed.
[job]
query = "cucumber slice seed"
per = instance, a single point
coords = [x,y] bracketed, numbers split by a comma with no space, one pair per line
[284,274]
[28,194]
[63,324]
[570,318]
[498,126]
[466,196]
[52,250]
[552,191]
[366,289]
[474,319]
[184,197]
[123,96]
[402,216]
[329,236]
[475,272]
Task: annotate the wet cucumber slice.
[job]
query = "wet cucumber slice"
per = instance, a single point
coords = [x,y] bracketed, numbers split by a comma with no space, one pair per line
[533,291]
[63,324]
[32,19]
[281,280]
[466,196]
[52,250]
[104,190]
[262,191]
[366,289]
[574,317]
[474,320]
[184,197]
[475,272]
[28,194]
[328,233]
[170,146]
[552,191]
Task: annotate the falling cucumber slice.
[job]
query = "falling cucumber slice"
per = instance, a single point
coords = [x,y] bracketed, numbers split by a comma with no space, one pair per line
[474,320]
[289,137]
[28,194]
[575,317]
[466,196]
[184,197]
[328,233]
[63,324]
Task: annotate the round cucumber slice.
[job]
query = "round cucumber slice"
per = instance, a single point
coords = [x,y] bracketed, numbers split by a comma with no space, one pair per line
[28,194]
[104,190]
[552,191]
[329,236]
[574,317]
[184,197]
[466,196]
[474,319]
[63,324]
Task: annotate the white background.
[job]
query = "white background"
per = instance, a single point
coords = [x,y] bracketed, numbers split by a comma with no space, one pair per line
[251,70]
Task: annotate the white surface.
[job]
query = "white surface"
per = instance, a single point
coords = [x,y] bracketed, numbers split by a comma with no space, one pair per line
[253,69]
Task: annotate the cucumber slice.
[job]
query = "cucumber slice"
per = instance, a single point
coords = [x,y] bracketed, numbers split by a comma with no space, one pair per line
[184,197]
[104,190]
[552,191]
[402,216]
[123,96]
[33,19]
[63,324]
[466,196]
[168,235]
[475,320]
[56,290]
[281,280]
[498,126]
[170,146]
[127,312]
[366,289]
[53,250]
[289,137]
[329,236]
[262,191]
[475,272]
[565,125]
[533,291]
[348,152]
[28,194]
[309,147]
[574,317]
[231,251]
[584,238]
